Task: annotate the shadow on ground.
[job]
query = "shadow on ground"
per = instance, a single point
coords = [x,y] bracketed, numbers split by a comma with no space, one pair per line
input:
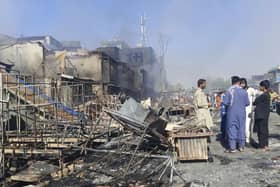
[275,136]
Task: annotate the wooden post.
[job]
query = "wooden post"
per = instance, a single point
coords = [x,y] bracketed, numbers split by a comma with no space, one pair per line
[3,130]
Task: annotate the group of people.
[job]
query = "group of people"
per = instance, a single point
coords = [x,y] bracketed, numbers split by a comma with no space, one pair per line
[241,105]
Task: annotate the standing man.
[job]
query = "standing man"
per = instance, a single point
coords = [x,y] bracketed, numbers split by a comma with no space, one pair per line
[223,118]
[202,105]
[218,99]
[249,109]
[273,97]
[262,112]
[236,99]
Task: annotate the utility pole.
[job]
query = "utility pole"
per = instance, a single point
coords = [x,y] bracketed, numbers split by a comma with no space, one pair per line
[163,44]
[43,61]
[143,31]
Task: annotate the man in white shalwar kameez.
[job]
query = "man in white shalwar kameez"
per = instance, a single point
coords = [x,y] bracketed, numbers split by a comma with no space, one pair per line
[249,109]
[202,105]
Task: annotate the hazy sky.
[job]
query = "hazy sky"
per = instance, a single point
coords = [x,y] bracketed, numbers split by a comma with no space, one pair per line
[206,37]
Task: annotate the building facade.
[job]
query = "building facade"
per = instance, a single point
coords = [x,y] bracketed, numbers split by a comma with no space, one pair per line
[274,76]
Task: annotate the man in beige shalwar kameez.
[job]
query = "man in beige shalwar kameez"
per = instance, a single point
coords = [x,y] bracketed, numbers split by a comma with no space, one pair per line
[202,105]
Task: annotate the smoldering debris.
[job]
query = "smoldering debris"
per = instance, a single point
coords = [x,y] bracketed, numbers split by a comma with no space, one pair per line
[99,142]
[109,169]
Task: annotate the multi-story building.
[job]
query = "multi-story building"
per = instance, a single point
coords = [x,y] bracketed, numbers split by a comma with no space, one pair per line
[140,59]
[113,69]
[274,76]
[110,76]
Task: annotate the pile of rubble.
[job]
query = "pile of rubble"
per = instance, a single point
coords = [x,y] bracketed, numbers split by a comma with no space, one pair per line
[142,150]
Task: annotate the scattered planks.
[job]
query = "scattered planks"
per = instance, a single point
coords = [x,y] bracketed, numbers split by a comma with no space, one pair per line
[36,172]
[40,172]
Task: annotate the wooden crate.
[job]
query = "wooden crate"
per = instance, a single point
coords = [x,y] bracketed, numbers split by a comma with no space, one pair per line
[191,146]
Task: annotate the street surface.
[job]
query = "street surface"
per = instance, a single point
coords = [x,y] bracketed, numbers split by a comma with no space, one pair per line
[251,168]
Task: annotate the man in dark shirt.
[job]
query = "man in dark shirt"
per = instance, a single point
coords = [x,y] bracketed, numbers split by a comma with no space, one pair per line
[262,112]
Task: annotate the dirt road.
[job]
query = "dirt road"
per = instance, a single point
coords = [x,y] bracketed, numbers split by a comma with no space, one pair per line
[252,168]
